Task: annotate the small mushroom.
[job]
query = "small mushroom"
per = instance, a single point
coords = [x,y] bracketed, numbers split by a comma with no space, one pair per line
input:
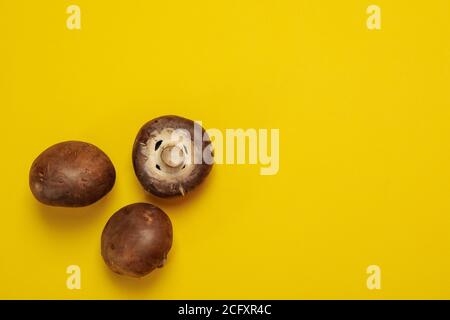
[136,240]
[171,156]
[71,174]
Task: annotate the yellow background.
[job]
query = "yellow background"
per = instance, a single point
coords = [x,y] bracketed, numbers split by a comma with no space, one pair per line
[364,121]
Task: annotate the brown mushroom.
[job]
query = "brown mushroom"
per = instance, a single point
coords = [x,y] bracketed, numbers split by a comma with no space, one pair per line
[136,240]
[71,174]
[171,156]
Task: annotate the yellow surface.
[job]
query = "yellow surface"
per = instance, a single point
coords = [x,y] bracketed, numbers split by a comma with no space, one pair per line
[364,119]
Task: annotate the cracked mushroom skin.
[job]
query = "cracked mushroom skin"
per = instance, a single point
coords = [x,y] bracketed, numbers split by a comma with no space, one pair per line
[136,240]
[165,156]
[71,174]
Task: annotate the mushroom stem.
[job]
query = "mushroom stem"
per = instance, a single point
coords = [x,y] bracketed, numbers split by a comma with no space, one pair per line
[172,156]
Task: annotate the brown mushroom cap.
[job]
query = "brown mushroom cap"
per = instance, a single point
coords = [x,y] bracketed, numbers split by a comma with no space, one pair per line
[165,156]
[137,239]
[71,174]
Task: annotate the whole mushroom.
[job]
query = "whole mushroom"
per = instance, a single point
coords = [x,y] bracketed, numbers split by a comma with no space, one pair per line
[171,156]
[71,174]
[136,240]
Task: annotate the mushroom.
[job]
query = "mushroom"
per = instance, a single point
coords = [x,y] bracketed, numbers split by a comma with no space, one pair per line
[71,174]
[171,156]
[136,240]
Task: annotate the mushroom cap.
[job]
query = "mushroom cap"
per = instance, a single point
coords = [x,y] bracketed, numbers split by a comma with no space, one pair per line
[167,158]
[136,240]
[71,174]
